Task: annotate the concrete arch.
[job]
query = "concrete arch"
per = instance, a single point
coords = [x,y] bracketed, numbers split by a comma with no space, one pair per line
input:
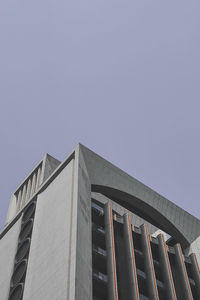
[142,209]
[111,181]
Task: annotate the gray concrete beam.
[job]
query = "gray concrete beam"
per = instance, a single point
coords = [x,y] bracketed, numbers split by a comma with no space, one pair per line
[149,267]
[183,273]
[131,266]
[110,248]
[196,272]
[165,265]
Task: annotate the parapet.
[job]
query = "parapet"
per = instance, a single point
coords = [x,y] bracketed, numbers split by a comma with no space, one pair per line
[30,185]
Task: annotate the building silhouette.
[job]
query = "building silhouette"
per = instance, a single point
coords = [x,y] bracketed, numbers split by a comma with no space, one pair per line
[85,230]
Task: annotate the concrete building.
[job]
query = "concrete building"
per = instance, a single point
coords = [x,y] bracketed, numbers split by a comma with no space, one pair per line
[85,230]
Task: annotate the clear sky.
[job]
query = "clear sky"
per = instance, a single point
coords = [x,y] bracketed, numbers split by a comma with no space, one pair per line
[121,77]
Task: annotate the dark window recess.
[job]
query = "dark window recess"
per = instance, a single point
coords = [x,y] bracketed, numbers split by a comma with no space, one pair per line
[141,273]
[142,285]
[97,217]
[162,294]
[193,287]
[138,252]
[171,242]
[158,269]
[139,259]
[99,259]
[189,269]
[100,276]
[97,208]
[99,254]
[100,285]
[143,297]
[121,262]
[99,251]
[191,280]
[98,236]
[155,251]
[19,273]
[26,230]
[29,212]
[21,257]
[156,263]
[137,240]
[23,250]
[17,292]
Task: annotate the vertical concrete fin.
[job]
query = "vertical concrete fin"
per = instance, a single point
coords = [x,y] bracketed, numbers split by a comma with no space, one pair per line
[28,190]
[165,265]
[33,184]
[149,267]
[110,248]
[195,272]
[131,266]
[19,196]
[23,195]
[38,177]
[49,165]
[183,273]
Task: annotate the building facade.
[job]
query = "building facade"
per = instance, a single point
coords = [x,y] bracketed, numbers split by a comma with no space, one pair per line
[85,230]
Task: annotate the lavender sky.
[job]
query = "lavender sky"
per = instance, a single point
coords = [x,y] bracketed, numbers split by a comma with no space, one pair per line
[121,77]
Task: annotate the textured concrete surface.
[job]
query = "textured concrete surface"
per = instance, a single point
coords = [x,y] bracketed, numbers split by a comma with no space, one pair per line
[50,164]
[84,234]
[47,271]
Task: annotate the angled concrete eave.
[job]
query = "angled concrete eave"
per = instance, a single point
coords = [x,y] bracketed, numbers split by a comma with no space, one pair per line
[109,180]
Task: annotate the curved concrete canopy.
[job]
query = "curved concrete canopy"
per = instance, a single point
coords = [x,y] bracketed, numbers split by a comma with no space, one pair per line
[109,180]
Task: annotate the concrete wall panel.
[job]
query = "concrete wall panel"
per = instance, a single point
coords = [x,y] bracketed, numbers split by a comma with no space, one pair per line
[8,247]
[47,273]
[84,238]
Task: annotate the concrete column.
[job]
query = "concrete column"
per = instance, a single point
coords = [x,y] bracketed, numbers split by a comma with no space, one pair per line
[149,267]
[28,192]
[183,273]
[165,265]
[195,272]
[19,196]
[33,184]
[131,266]
[110,248]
